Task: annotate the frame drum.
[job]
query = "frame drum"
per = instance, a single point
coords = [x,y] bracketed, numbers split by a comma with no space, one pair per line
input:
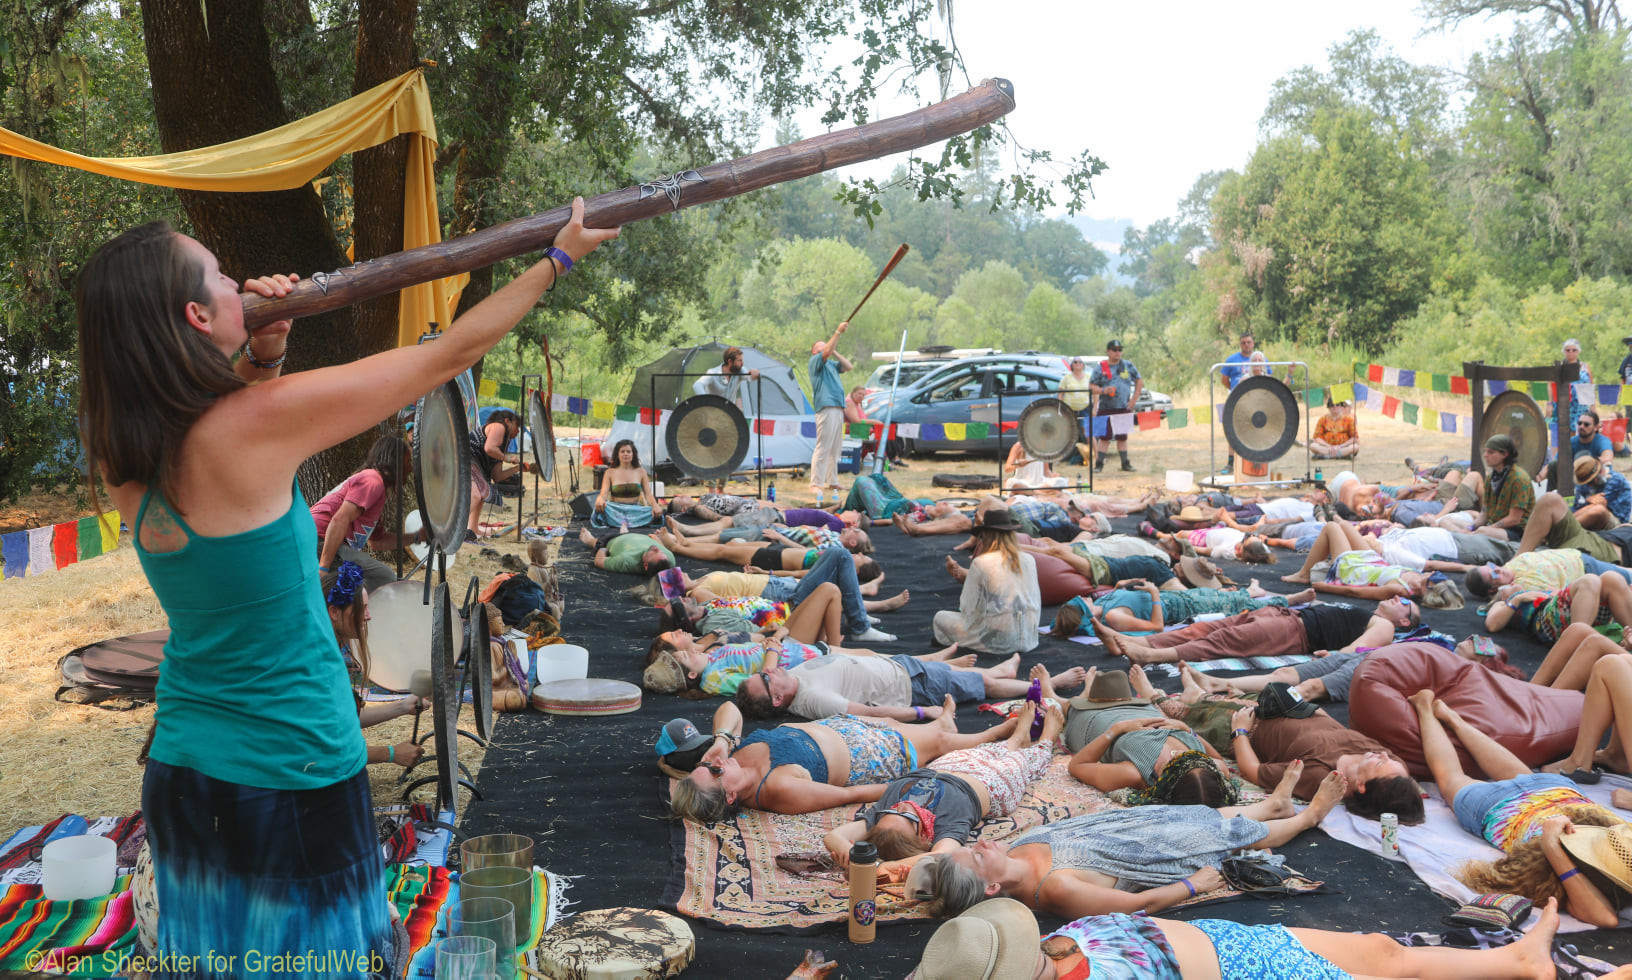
[399,634]
[588,696]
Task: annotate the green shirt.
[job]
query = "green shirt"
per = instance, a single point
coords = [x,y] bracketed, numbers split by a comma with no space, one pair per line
[624,552]
[1517,491]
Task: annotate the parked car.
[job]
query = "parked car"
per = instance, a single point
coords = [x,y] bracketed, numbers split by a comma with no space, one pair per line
[918,364]
[970,391]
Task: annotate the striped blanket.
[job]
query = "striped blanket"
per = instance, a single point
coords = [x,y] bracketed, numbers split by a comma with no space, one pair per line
[424,895]
[92,937]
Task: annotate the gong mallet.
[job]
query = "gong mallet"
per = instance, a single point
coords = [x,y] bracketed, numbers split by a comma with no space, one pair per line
[889,267]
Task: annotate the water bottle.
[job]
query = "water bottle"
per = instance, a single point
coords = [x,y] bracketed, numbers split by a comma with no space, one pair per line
[770,491]
[863,892]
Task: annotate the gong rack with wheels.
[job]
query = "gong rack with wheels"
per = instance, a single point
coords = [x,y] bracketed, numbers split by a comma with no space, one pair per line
[706,435]
[1260,422]
[1515,414]
[1048,428]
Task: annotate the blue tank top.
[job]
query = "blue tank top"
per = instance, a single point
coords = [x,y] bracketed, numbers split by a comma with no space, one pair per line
[253,690]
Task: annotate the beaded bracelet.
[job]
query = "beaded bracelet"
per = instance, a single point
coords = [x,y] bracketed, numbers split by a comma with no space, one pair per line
[1566,876]
[255,362]
[1240,732]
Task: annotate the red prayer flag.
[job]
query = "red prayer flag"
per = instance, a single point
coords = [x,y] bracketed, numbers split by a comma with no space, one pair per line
[1391,406]
[1459,385]
[65,543]
[765,427]
[1374,373]
[1010,426]
[1148,420]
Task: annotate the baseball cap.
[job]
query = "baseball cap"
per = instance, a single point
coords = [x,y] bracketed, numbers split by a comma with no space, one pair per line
[680,744]
[1281,700]
[1114,345]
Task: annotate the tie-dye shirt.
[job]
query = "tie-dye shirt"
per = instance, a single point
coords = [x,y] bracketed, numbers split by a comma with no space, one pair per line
[1519,817]
[732,663]
[810,537]
[743,614]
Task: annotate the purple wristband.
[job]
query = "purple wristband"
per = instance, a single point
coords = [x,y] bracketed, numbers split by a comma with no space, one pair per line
[1566,876]
[1186,883]
[562,257]
[920,712]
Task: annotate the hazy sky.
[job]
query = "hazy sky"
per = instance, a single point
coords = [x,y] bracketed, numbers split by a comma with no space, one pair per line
[1163,93]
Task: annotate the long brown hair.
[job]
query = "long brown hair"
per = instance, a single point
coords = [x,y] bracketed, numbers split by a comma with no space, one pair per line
[145,373]
[992,539]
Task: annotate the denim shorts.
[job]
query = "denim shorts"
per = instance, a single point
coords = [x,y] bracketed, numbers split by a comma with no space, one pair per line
[1477,799]
[780,588]
[932,681]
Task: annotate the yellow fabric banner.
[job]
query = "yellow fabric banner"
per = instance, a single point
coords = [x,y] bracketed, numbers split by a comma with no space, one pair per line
[1202,415]
[1429,419]
[1343,392]
[291,155]
[602,411]
[108,524]
[957,431]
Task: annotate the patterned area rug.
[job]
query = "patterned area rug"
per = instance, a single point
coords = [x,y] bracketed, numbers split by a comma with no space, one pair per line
[727,874]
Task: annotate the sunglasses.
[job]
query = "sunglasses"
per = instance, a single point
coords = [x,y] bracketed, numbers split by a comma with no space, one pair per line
[1583,423]
[713,768]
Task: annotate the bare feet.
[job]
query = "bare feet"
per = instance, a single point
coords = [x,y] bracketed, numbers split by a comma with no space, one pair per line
[1567,764]
[967,660]
[1332,790]
[1532,956]
[1621,798]
[1289,782]
[1115,643]
[586,538]
[1069,678]
[893,603]
[1140,683]
[1255,590]
[1207,685]
[957,571]
[946,654]
[1008,668]
[1297,578]
[1021,736]
[1053,721]
[1045,683]
[949,715]
[1301,598]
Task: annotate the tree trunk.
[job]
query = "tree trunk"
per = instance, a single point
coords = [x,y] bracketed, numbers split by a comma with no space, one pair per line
[213,82]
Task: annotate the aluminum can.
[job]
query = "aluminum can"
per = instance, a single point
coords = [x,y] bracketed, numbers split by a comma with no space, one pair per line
[1391,835]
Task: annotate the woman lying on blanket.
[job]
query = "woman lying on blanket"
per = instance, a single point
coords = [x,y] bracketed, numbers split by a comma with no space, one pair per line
[1224,542]
[936,809]
[715,664]
[1361,573]
[1137,607]
[1119,741]
[1593,598]
[347,601]
[776,557]
[997,940]
[1558,844]
[1125,860]
[810,766]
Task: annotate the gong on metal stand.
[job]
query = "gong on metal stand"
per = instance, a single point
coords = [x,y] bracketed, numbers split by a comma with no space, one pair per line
[1260,422]
[1514,413]
[535,411]
[1048,428]
[442,453]
[706,436]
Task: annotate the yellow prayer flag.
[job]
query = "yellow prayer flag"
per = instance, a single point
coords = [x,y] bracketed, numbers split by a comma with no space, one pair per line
[1626,395]
[488,388]
[604,411]
[957,431]
[1343,392]
[1202,415]
[1429,419]
[108,522]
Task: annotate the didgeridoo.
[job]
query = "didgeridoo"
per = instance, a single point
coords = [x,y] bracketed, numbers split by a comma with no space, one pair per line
[889,267]
[990,100]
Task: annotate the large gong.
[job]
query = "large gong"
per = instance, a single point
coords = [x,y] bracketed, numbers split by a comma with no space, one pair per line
[538,420]
[478,659]
[707,437]
[445,697]
[1260,419]
[1048,429]
[1514,413]
[442,465]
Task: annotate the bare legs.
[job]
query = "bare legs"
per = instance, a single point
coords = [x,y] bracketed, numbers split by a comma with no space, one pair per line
[1335,538]
[1433,718]
[1608,704]
[819,617]
[1375,955]
[1003,681]
[1330,794]
[1569,663]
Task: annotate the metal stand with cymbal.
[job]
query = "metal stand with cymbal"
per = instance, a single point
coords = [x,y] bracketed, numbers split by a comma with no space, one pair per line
[1048,428]
[1260,422]
[706,436]
[1514,413]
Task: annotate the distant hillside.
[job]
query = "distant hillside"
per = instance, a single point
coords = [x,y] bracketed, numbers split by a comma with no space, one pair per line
[1106,235]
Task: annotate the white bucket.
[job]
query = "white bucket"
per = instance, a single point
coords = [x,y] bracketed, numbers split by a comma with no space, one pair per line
[561,662]
[78,867]
[1181,481]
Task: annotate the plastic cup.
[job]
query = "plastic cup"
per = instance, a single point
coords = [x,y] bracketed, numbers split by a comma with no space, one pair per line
[465,958]
[514,885]
[78,867]
[494,918]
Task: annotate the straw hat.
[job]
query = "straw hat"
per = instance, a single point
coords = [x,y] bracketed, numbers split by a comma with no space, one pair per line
[1110,687]
[665,675]
[1201,573]
[995,940]
[1607,850]
[1190,513]
[1587,469]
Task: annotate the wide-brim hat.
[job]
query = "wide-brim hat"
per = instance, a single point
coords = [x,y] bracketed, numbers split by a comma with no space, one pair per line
[1190,513]
[995,940]
[1587,468]
[1201,573]
[664,675]
[999,520]
[1109,687]
[1607,850]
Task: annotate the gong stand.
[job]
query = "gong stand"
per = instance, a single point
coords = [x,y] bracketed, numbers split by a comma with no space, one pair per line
[759,437]
[452,668]
[529,384]
[1561,373]
[1003,453]
[1214,376]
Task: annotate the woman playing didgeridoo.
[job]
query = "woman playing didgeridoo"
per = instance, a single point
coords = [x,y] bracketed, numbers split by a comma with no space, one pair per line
[808,766]
[1539,820]
[936,809]
[997,940]
[258,811]
[1141,858]
[626,497]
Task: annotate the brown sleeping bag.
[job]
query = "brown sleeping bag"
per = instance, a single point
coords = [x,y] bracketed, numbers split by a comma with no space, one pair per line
[1059,582]
[1537,724]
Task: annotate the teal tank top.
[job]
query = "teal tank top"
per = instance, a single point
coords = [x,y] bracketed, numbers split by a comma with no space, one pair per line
[253,690]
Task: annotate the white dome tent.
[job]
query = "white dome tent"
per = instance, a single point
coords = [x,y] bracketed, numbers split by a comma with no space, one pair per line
[776,395]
